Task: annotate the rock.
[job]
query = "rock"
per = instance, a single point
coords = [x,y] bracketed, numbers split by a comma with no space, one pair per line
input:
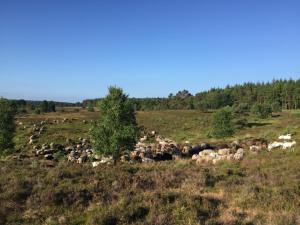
[240,151]
[48,151]
[97,157]
[163,156]
[62,220]
[225,151]
[125,158]
[68,149]
[147,160]
[195,157]
[71,158]
[45,146]
[32,141]
[48,156]
[230,157]
[255,148]
[153,133]
[235,145]
[186,149]
[95,164]
[80,160]
[238,156]
[206,152]
[195,150]
[216,160]
[143,139]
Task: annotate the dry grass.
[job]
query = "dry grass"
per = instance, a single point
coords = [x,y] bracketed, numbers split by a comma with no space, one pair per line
[262,189]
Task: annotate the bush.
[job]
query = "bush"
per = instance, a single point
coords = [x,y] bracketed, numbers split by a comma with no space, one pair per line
[276,107]
[117,129]
[7,125]
[46,106]
[222,123]
[241,109]
[90,108]
[261,110]
[37,111]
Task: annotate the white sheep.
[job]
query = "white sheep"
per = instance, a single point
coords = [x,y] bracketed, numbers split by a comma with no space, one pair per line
[275,144]
[288,144]
[285,137]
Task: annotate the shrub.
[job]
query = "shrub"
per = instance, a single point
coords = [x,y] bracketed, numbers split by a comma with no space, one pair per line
[241,108]
[90,108]
[46,106]
[37,111]
[276,107]
[261,110]
[117,129]
[7,125]
[221,123]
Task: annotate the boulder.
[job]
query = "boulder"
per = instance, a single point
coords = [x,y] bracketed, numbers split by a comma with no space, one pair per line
[95,164]
[224,151]
[48,156]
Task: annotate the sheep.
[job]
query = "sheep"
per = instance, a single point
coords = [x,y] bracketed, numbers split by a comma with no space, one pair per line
[275,144]
[288,144]
[285,137]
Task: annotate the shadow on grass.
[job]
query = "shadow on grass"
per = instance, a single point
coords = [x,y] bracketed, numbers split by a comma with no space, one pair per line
[254,124]
[276,116]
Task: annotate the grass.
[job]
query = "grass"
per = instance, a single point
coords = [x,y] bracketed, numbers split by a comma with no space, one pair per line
[262,189]
[179,125]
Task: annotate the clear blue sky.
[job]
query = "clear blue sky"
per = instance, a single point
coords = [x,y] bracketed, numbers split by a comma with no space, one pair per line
[70,50]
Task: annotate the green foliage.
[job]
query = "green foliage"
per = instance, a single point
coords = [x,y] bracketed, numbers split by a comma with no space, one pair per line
[117,129]
[276,107]
[90,107]
[7,125]
[46,106]
[282,93]
[222,123]
[51,107]
[261,110]
[37,111]
[241,108]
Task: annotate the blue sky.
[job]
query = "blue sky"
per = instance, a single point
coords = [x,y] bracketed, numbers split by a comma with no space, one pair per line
[70,50]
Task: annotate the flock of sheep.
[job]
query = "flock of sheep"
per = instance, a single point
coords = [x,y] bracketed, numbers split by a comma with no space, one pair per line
[284,144]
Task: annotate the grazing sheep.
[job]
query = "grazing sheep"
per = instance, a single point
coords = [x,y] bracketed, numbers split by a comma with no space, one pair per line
[285,137]
[275,144]
[288,144]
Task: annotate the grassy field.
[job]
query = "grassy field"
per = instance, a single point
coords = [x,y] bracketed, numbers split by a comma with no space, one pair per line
[179,125]
[264,188]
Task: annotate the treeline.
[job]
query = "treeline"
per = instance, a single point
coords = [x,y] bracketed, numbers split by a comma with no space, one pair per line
[23,106]
[282,94]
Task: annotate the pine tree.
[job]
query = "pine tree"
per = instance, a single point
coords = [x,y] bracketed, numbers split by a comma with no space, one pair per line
[117,129]
[7,125]
[222,123]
